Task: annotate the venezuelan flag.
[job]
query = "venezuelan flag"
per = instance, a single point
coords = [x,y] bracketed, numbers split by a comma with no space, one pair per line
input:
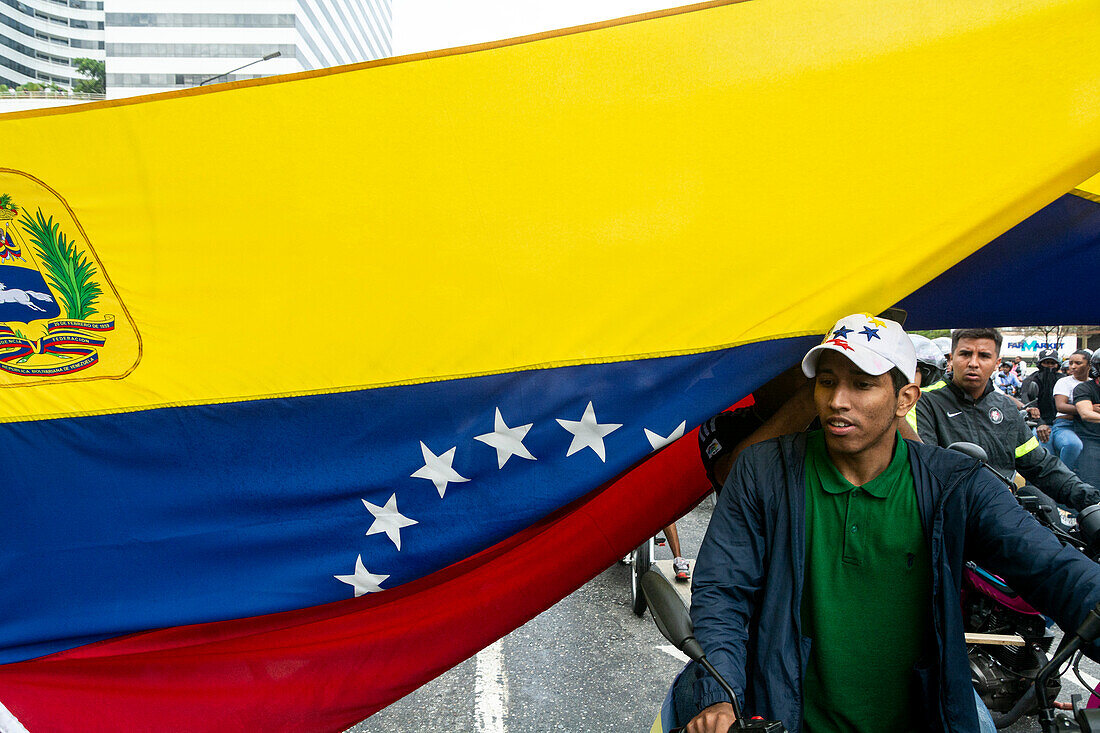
[342,359]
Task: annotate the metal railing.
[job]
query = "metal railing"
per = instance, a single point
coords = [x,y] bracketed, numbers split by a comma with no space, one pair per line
[50,94]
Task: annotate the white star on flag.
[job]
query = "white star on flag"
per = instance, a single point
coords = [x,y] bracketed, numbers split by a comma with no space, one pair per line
[508,441]
[363,581]
[587,433]
[437,469]
[658,442]
[387,519]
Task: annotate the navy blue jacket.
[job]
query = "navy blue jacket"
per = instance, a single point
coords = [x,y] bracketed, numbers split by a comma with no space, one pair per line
[747,590]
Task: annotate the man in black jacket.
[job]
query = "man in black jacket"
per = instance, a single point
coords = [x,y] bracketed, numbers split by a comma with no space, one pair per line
[968,408]
[1039,388]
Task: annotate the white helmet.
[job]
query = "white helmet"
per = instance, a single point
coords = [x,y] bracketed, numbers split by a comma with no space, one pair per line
[943,343]
[930,362]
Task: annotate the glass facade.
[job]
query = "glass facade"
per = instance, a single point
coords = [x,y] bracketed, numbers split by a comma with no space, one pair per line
[56,19]
[201,50]
[201,20]
[37,44]
[167,80]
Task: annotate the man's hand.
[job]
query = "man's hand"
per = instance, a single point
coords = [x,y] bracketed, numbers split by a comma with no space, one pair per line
[716,719]
[1033,412]
[1043,433]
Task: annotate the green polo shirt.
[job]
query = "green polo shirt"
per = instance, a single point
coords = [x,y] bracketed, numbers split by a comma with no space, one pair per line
[867,599]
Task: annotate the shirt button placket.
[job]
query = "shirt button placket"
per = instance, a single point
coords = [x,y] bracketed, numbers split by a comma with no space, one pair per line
[853,545]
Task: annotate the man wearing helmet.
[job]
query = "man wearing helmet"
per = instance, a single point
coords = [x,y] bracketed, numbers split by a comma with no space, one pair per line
[970,409]
[839,551]
[930,362]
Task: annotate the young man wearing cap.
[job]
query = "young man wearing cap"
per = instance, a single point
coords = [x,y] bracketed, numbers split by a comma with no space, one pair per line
[826,589]
[970,409]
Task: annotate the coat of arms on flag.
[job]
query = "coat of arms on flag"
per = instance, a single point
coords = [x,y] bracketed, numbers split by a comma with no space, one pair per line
[59,313]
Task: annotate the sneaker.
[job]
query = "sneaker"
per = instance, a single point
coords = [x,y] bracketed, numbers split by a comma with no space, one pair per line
[660,540]
[681,566]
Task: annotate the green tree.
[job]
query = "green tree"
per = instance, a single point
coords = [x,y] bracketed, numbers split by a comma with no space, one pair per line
[96,71]
[934,333]
[30,86]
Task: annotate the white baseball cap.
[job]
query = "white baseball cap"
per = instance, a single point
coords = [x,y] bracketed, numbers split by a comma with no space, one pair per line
[875,345]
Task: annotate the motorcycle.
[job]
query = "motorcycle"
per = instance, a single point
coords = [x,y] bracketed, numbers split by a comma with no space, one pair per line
[674,623]
[1008,641]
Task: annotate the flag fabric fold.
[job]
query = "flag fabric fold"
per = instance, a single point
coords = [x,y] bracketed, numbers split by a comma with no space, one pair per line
[304,374]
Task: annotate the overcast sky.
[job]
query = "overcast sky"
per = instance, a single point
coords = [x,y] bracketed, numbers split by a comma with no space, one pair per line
[424,25]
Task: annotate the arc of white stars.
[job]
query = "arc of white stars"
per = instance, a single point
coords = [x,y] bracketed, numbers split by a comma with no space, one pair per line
[437,469]
[657,441]
[507,441]
[587,433]
[362,580]
[388,520]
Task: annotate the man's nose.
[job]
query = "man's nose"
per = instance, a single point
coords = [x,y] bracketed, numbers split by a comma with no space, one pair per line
[840,398]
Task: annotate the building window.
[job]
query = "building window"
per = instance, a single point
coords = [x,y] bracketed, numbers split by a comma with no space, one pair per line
[202,50]
[201,20]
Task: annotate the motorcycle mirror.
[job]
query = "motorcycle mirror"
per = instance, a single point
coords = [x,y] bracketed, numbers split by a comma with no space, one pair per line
[670,613]
[1088,522]
[895,314]
[674,623]
[970,449]
[1031,393]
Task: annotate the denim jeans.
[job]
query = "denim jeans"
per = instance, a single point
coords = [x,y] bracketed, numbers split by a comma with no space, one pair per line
[985,718]
[1088,465]
[1066,443]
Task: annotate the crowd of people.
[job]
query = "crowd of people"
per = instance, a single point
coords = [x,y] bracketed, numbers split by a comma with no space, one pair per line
[827,587]
[1052,392]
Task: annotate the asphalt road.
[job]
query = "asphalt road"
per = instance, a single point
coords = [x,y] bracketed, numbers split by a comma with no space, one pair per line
[586,665]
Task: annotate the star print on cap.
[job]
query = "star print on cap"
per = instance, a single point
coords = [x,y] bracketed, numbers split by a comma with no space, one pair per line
[875,345]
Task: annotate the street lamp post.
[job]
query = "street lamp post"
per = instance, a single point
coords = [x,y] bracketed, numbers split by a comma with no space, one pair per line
[265,58]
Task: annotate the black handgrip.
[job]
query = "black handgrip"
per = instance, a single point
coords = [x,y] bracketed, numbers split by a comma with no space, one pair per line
[1088,720]
[1089,630]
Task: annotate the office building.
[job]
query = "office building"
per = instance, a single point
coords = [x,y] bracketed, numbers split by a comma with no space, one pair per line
[39,39]
[157,45]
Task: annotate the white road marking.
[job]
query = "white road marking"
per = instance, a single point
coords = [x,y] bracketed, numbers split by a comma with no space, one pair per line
[490,690]
[674,652]
[9,723]
[1092,681]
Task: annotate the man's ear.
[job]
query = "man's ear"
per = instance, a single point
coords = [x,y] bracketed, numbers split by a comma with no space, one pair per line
[907,398]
